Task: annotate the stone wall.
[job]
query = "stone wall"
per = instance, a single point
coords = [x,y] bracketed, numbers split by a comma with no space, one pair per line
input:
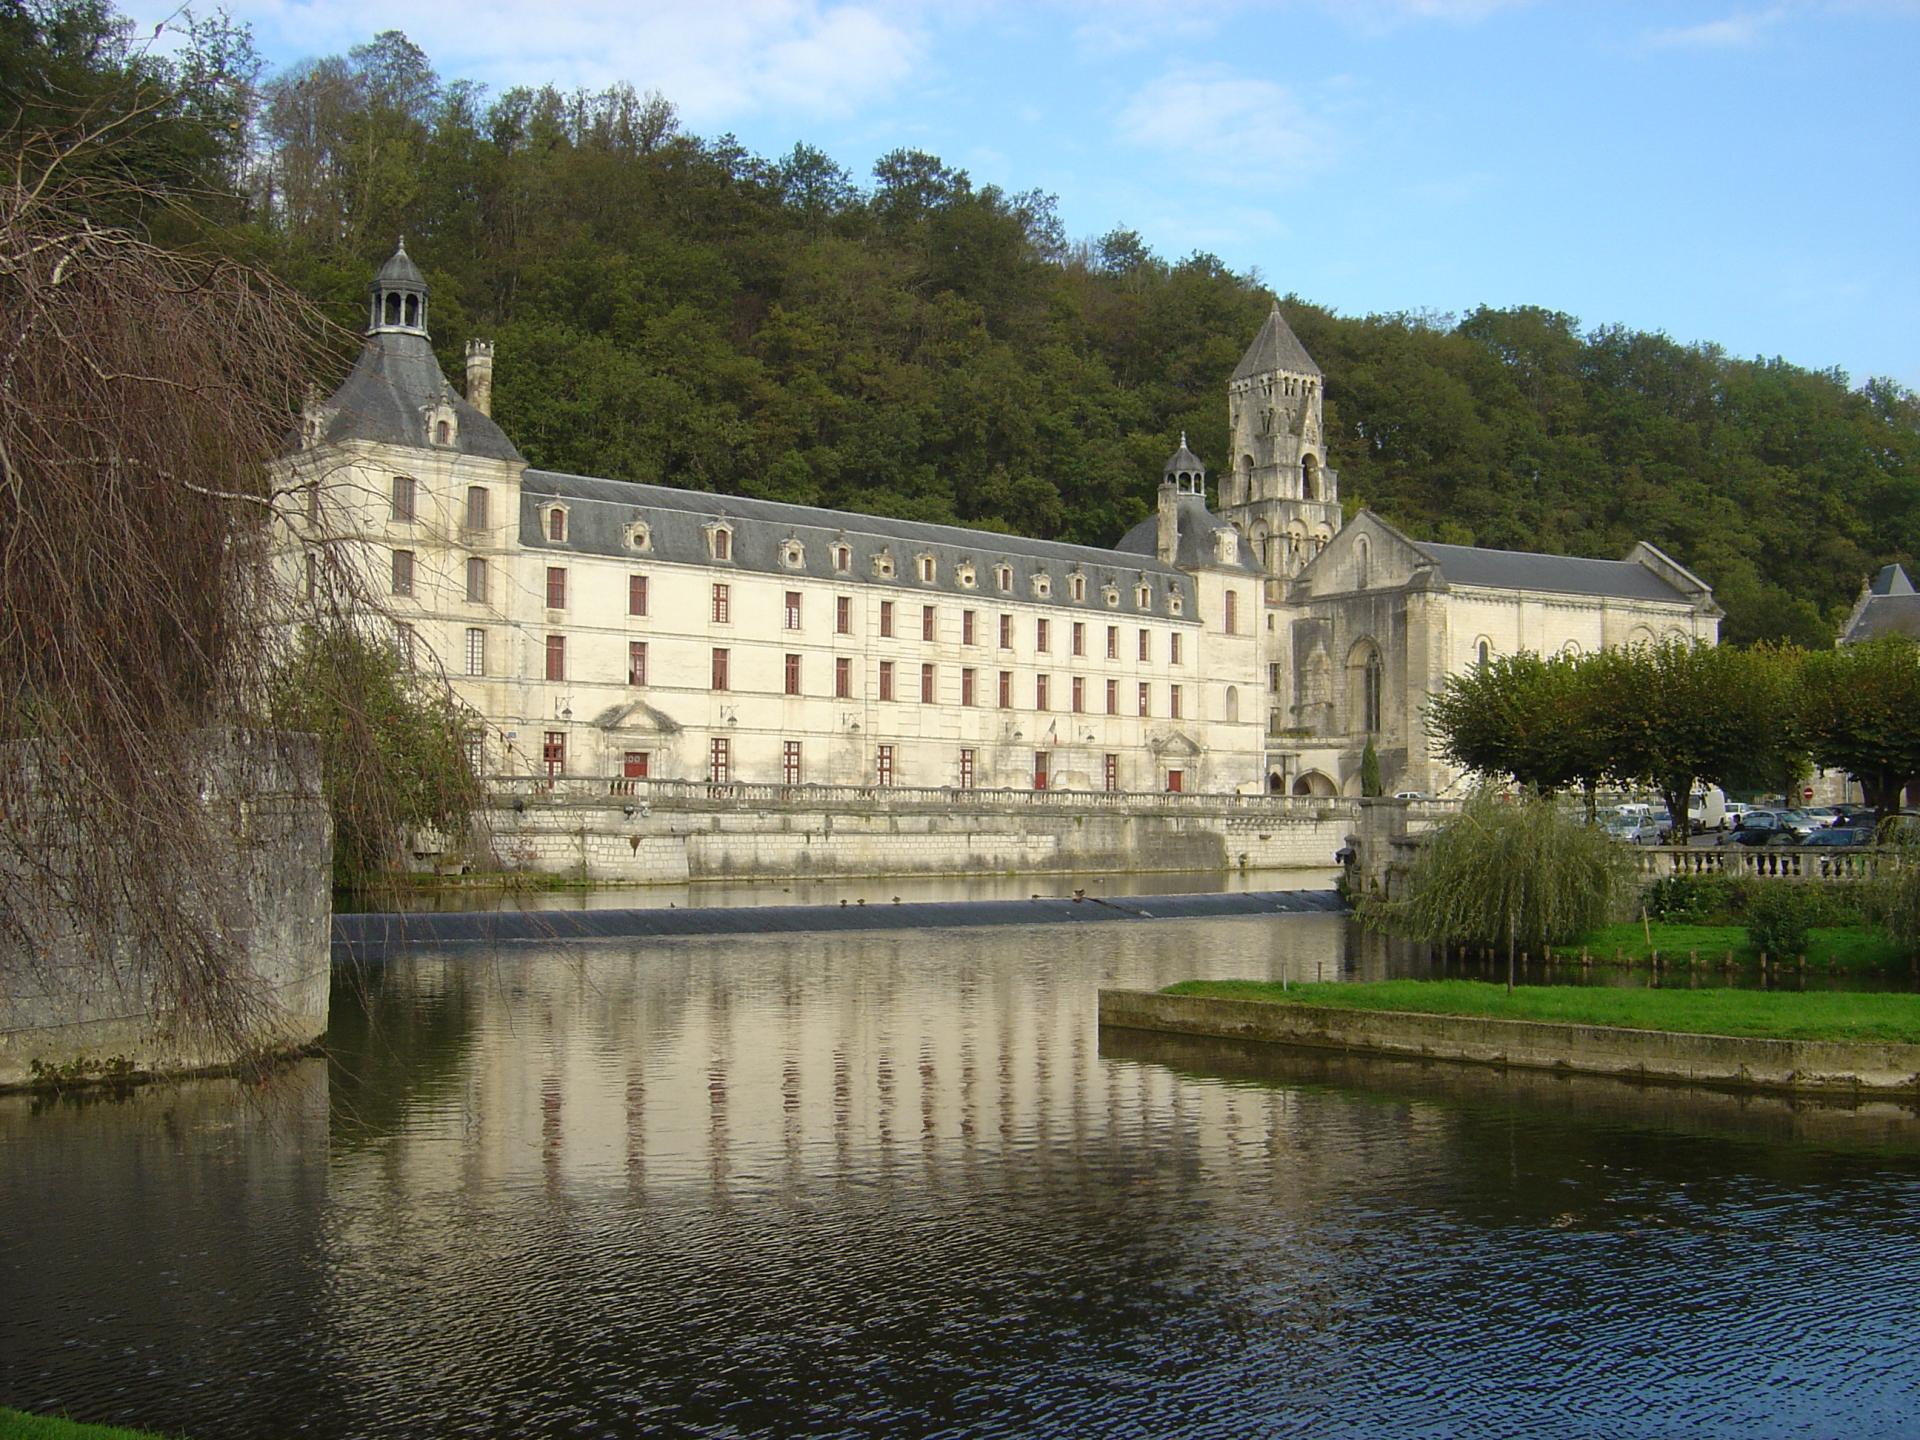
[673,833]
[84,1011]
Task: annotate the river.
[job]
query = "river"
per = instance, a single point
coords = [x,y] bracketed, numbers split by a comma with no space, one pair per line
[898,1184]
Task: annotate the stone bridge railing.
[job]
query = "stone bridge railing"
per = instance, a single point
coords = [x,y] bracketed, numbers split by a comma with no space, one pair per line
[1786,862]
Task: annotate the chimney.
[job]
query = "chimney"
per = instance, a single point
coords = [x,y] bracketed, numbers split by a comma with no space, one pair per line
[1167,542]
[480,375]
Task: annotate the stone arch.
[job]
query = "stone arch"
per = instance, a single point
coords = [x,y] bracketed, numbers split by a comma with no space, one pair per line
[1483,652]
[1314,783]
[1571,649]
[1233,703]
[1310,476]
[1640,635]
[1243,484]
[1362,563]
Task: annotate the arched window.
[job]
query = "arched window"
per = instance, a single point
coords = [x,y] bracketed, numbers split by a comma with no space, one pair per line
[442,433]
[1362,558]
[1483,653]
[413,309]
[1310,476]
[1366,679]
[1233,703]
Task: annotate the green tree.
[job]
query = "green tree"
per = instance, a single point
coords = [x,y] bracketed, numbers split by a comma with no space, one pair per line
[1858,708]
[1545,722]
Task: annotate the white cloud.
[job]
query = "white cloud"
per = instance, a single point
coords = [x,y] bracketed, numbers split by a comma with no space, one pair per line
[717,60]
[1227,126]
[1732,32]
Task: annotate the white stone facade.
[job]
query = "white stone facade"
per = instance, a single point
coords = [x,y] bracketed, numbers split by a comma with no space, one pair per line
[612,629]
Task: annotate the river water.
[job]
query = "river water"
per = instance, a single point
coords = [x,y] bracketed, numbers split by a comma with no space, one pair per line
[899,1184]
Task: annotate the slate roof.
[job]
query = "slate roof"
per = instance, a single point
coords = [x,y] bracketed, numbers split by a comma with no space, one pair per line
[600,511]
[1553,574]
[395,380]
[1193,549]
[1891,580]
[1889,606]
[400,271]
[1276,347]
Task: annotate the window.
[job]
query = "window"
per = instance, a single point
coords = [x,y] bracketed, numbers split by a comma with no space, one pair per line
[636,662]
[966,686]
[843,678]
[1370,698]
[1113,642]
[1146,705]
[403,642]
[556,587]
[1113,772]
[1006,689]
[926,684]
[1233,612]
[883,565]
[1006,632]
[842,558]
[793,556]
[403,572]
[1040,692]
[719,760]
[721,662]
[553,753]
[1176,781]
[476,651]
[635,764]
[556,657]
[1042,587]
[966,769]
[1143,598]
[927,622]
[1003,577]
[1173,701]
[886,618]
[1079,694]
[639,536]
[792,675]
[476,507]
[1079,637]
[1077,586]
[1173,648]
[966,627]
[790,611]
[926,568]
[884,767]
[722,543]
[442,429]
[1273,678]
[790,762]
[1176,603]
[475,748]
[403,498]
[843,614]
[1113,697]
[476,582]
[722,604]
[1042,760]
[886,679]
[1042,637]
[1146,645]
[556,524]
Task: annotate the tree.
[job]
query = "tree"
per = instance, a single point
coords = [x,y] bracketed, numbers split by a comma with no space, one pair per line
[1858,708]
[1543,722]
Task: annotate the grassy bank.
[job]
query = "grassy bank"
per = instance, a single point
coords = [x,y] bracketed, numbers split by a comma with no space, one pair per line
[14,1425]
[1768,1014]
[1832,947]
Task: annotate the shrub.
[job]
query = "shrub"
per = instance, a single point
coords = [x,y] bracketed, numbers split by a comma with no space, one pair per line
[1519,875]
[1780,918]
[1892,897]
[1692,899]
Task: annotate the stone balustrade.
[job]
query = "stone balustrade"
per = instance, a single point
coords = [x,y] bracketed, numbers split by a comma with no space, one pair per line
[1786,862]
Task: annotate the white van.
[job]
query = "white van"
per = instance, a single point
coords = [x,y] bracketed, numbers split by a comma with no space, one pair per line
[1707,809]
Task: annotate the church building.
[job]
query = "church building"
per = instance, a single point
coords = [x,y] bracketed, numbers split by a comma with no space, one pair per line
[603,628]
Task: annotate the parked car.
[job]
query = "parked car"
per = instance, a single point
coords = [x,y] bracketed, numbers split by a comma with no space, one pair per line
[1840,836]
[1631,829]
[1735,809]
[1821,815]
[1765,822]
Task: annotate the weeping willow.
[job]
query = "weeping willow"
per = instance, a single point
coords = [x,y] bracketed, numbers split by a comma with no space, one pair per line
[1514,874]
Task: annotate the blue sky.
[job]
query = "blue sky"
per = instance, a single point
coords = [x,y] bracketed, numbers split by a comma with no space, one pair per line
[1747,174]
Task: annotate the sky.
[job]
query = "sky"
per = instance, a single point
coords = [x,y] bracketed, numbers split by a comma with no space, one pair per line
[1746,174]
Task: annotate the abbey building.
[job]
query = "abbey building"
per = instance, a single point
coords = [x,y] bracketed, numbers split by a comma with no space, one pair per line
[604,628]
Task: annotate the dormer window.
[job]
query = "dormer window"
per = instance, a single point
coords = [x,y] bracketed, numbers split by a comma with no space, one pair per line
[1077,586]
[1143,597]
[964,574]
[441,424]
[842,558]
[928,569]
[1110,593]
[556,526]
[720,541]
[883,565]
[639,536]
[792,554]
[1003,577]
[443,432]
[1176,602]
[1042,587]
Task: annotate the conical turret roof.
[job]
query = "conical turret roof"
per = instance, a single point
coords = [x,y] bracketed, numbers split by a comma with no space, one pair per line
[1184,460]
[1276,347]
[400,271]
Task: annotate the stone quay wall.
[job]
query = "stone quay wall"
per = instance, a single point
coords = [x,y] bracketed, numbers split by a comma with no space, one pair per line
[1732,1060]
[671,832]
[75,1011]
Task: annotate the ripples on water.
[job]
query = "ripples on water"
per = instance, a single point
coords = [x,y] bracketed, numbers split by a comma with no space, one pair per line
[897,1185]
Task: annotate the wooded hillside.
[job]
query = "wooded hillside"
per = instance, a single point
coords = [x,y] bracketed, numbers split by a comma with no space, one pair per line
[669,307]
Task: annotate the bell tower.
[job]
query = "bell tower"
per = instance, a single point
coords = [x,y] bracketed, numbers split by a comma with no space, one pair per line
[1279,492]
[399,297]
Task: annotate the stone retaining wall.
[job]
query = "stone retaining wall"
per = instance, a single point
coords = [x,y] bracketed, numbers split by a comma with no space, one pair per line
[1798,1065]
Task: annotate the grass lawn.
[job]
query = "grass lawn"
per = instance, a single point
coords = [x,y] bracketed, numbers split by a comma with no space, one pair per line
[1848,946]
[16,1426]
[1772,1014]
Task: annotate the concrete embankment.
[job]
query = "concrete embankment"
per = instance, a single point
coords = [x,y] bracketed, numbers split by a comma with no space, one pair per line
[1663,1055]
[371,936]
